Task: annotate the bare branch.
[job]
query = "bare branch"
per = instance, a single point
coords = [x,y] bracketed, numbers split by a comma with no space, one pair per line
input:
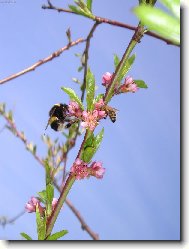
[42,61]
[111,22]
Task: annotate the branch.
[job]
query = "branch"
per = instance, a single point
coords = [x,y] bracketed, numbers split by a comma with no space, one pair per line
[12,127]
[109,21]
[4,221]
[43,61]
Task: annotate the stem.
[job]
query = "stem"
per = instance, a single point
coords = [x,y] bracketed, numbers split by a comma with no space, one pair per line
[134,40]
[61,200]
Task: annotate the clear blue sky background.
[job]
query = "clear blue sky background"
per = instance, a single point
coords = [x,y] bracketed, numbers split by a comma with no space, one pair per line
[139,196]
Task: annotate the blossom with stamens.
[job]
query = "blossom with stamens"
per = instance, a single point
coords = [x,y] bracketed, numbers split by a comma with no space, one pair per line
[79,169]
[97,170]
[90,119]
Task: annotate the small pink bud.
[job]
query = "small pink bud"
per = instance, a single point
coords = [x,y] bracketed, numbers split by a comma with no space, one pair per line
[31,205]
[128,80]
[106,79]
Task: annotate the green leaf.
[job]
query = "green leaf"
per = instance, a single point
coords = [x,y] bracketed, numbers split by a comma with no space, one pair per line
[91,146]
[140,83]
[43,196]
[73,96]
[82,9]
[173,6]
[90,88]
[98,139]
[75,9]
[116,60]
[50,195]
[88,154]
[57,235]
[26,236]
[41,224]
[89,4]
[159,21]
[126,67]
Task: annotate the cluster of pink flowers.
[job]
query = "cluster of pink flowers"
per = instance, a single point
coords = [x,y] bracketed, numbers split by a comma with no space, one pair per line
[128,86]
[89,118]
[81,169]
[33,202]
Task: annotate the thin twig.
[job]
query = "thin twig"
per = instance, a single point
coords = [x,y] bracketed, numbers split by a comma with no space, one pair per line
[42,61]
[111,22]
[4,221]
[19,134]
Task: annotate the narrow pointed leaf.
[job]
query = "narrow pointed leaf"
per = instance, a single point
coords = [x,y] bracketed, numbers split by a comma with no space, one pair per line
[89,4]
[116,60]
[126,67]
[98,139]
[26,236]
[90,88]
[41,225]
[57,235]
[73,96]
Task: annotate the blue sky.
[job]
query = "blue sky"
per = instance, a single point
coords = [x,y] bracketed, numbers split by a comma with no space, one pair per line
[139,196]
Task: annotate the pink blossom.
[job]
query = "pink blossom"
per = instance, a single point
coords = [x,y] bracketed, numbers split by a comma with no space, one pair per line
[31,205]
[106,79]
[54,203]
[133,88]
[97,170]
[79,169]
[99,104]
[90,119]
[128,86]
[74,109]
[128,80]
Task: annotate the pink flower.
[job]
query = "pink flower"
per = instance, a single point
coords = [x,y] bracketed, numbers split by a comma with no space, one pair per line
[97,170]
[74,109]
[79,169]
[54,203]
[128,81]
[31,205]
[90,119]
[99,104]
[133,88]
[128,86]
[106,79]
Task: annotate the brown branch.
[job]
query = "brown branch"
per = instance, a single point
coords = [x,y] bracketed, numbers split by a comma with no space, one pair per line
[43,61]
[84,226]
[111,22]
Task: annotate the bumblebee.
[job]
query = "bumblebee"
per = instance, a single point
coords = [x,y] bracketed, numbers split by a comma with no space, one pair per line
[110,111]
[58,117]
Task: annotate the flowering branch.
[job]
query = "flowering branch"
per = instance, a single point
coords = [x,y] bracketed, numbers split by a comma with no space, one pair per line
[98,19]
[134,40]
[42,61]
[12,127]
